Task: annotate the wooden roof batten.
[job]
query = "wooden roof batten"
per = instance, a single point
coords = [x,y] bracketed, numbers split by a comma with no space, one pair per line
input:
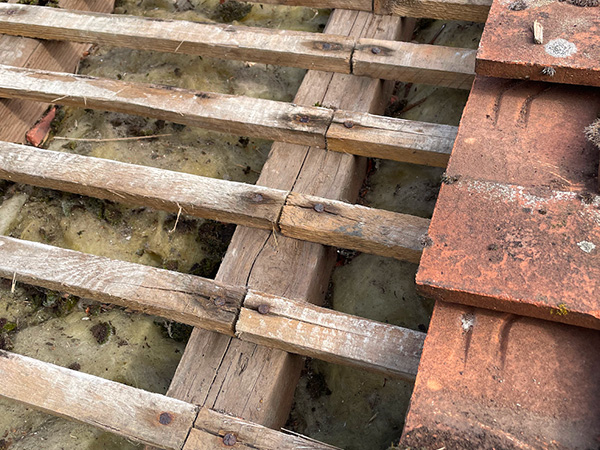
[302,214]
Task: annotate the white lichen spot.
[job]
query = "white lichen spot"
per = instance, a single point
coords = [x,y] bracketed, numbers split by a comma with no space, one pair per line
[586,246]
[467,320]
[560,48]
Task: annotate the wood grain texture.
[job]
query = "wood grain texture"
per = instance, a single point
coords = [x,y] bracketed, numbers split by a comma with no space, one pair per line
[114,407]
[162,189]
[263,45]
[340,224]
[388,138]
[427,64]
[415,63]
[249,380]
[335,223]
[184,298]
[18,116]
[471,10]
[309,330]
[266,119]
[355,5]
[211,426]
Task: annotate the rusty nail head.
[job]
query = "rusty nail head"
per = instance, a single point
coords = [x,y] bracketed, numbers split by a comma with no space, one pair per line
[219,301]
[257,198]
[229,439]
[165,418]
[304,119]
[376,50]
[348,124]
[264,309]
[319,207]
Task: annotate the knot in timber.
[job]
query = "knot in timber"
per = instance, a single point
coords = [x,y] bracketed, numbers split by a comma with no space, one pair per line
[165,418]
[257,198]
[229,440]
[264,309]
[375,50]
[319,207]
[219,301]
[12,12]
[303,119]
[348,124]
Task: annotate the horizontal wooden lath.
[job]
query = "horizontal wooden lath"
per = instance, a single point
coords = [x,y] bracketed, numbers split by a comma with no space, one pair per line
[139,415]
[309,218]
[211,427]
[175,296]
[373,136]
[376,58]
[214,306]
[209,198]
[471,10]
[245,116]
[133,413]
[296,326]
[415,63]
[388,138]
[341,224]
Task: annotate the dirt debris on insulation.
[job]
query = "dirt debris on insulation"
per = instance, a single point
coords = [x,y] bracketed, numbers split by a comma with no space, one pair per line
[346,407]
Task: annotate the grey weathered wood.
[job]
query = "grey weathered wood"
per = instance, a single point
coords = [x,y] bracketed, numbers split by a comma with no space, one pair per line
[267,119]
[249,380]
[340,224]
[427,64]
[114,407]
[333,336]
[180,297]
[265,45]
[356,5]
[211,426]
[415,63]
[471,10]
[396,139]
[18,116]
[204,197]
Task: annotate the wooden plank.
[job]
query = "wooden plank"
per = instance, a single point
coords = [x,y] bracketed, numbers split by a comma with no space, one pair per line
[265,45]
[309,330]
[266,119]
[340,224]
[136,414]
[196,301]
[396,139]
[184,298]
[309,218]
[209,198]
[415,63]
[406,62]
[212,429]
[354,5]
[471,10]
[249,380]
[18,116]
